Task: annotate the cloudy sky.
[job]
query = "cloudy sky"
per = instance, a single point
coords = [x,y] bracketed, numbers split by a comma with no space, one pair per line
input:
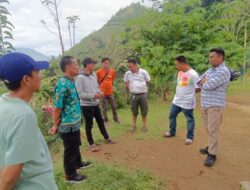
[30,33]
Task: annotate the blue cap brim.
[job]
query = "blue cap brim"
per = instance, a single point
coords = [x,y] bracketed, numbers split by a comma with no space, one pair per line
[40,65]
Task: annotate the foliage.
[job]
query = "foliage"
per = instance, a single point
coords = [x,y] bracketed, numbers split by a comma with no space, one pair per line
[2,88]
[188,28]
[108,41]
[6,28]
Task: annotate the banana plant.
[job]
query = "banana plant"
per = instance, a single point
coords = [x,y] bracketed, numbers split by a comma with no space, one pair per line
[6,28]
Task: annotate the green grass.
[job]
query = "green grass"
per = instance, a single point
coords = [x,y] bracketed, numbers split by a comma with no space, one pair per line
[102,176]
[241,86]
[157,122]
[111,177]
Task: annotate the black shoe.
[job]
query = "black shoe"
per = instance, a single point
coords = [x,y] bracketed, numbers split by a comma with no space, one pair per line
[84,165]
[204,150]
[76,179]
[210,160]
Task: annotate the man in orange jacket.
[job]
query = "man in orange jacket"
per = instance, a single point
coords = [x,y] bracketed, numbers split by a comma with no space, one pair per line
[106,78]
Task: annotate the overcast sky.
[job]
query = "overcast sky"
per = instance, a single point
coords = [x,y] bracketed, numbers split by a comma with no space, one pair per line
[30,33]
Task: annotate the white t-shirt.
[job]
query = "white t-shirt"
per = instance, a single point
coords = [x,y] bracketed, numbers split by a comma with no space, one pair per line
[185,90]
[137,81]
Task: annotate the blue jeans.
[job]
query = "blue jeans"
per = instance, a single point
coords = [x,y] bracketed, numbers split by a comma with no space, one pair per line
[175,110]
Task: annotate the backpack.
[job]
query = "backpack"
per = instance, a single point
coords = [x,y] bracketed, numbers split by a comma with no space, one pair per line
[234,75]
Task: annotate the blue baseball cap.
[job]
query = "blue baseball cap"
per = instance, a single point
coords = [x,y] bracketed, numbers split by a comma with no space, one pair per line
[14,66]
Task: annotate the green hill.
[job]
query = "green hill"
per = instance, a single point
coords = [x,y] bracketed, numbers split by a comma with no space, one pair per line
[108,41]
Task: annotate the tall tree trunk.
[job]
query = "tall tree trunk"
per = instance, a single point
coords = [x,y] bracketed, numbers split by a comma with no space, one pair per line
[70,36]
[74,33]
[59,28]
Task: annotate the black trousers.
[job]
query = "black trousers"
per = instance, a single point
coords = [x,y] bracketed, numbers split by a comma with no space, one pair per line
[89,113]
[72,156]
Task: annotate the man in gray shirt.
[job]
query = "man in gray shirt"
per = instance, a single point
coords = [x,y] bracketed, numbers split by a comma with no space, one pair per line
[90,94]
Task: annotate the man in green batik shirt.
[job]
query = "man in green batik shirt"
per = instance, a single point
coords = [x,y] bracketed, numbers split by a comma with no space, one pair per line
[67,120]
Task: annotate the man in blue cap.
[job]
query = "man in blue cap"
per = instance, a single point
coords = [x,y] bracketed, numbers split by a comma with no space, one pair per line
[25,161]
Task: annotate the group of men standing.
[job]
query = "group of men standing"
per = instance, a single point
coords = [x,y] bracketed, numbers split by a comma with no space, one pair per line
[26,163]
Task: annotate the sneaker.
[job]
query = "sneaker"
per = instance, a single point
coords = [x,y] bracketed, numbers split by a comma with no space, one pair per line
[109,141]
[188,141]
[204,150]
[168,134]
[84,165]
[76,179]
[210,160]
[94,148]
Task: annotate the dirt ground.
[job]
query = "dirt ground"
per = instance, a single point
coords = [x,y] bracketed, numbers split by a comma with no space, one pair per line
[181,167]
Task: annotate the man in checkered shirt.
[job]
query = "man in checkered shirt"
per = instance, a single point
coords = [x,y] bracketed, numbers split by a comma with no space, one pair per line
[213,100]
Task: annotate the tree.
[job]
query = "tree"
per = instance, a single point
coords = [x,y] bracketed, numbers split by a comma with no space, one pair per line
[52,7]
[6,28]
[72,24]
[231,22]
[178,28]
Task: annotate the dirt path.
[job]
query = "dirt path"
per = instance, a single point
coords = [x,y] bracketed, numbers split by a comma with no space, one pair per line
[181,167]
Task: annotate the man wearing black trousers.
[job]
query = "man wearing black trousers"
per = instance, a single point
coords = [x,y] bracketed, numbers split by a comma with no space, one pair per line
[67,119]
[90,94]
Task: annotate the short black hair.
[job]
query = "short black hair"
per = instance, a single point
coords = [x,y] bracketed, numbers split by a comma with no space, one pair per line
[15,85]
[105,59]
[181,59]
[65,61]
[87,61]
[132,60]
[219,51]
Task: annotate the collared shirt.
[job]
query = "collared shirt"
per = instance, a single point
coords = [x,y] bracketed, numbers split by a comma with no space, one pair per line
[214,89]
[137,81]
[21,142]
[66,98]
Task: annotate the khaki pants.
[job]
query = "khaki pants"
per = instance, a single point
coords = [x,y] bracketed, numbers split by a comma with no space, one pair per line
[212,118]
[109,100]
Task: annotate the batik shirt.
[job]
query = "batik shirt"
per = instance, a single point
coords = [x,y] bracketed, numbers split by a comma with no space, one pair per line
[66,98]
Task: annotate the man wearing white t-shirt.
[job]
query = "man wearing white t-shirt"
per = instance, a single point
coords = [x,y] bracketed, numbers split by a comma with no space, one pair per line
[184,100]
[136,81]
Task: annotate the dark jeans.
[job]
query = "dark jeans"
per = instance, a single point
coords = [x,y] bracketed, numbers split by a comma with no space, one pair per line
[72,156]
[89,113]
[175,110]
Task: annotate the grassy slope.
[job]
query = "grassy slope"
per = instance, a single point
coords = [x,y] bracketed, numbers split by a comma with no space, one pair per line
[108,40]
